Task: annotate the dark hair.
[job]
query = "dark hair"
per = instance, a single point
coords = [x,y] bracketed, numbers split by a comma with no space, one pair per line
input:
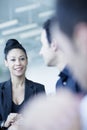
[47,26]
[69,13]
[13,44]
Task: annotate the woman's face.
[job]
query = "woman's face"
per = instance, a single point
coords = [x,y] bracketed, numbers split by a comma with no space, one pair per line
[16,62]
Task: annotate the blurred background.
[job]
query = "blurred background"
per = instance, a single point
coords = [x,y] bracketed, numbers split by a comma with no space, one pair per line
[23,20]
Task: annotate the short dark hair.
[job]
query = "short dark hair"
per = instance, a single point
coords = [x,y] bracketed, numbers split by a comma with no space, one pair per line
[69,13]
[13,44]
[47,26]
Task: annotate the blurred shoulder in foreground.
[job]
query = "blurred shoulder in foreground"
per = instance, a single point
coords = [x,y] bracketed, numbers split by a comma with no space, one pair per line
[53,112]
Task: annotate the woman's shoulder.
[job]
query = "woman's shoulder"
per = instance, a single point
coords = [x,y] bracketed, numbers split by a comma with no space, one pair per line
[4,83]
[35,84]
[2,86]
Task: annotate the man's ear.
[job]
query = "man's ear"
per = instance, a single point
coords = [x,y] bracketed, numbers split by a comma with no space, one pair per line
[54,46]
[6,63]
[80,36]
[27,60]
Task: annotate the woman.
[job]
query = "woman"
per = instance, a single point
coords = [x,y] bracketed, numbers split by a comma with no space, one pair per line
[16,91]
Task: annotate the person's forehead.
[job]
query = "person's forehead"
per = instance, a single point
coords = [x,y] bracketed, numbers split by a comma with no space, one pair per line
[17,51]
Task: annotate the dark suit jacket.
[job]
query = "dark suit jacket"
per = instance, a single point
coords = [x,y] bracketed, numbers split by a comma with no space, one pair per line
[31,89]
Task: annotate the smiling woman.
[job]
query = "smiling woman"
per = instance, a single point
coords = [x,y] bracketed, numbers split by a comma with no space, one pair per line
[15,58]
[18,89]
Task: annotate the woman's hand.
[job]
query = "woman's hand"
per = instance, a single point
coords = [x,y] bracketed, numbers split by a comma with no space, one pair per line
[11,119]
[17,124]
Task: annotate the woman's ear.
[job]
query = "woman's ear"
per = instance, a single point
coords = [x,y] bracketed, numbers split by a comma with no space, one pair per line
[27,60]
[6,63]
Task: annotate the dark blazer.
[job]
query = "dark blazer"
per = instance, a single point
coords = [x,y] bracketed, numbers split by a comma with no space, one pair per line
[31,89]
[67,80]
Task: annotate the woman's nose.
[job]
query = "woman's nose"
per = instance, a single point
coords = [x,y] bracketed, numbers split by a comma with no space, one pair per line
[18,61]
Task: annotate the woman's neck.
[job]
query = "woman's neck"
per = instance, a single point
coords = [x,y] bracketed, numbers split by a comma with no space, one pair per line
[18,81]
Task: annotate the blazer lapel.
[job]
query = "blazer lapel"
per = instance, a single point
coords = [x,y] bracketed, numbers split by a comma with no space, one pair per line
[29,89]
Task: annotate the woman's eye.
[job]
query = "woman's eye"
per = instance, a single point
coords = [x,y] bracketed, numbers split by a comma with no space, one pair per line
[12,59]
[22,58]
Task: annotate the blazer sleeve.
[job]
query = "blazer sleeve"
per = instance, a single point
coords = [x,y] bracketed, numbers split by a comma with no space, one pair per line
[1,112]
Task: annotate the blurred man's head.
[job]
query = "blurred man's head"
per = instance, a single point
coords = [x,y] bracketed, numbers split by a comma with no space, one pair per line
[71,34]
[50,51]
